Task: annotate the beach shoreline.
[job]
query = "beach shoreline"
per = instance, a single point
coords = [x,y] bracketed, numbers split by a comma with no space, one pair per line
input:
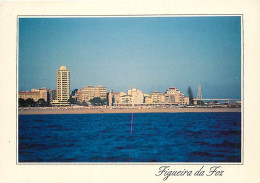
[34,111]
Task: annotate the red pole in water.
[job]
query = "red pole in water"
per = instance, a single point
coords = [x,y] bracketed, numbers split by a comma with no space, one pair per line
[132,122]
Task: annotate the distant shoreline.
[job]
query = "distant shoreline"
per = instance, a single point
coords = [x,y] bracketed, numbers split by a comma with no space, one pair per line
[33,111]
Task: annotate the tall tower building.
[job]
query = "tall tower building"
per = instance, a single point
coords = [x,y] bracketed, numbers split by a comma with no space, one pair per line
[63,87]
[199,94]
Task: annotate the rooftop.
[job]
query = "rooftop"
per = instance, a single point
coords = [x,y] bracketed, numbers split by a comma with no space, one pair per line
[63,68]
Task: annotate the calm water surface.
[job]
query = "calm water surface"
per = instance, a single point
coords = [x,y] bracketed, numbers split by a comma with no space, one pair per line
[156,137]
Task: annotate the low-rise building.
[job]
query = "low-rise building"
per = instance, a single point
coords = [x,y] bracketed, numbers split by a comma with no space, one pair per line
[43,93]
[137,96]
[157,97]
[174,95]
[133,97]
[126,99]
[77,95]
[89,92]
[52,94]
[116,97]
[35,95]
[148,100]
[186,101]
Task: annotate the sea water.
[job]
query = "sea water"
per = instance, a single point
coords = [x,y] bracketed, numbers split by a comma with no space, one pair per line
[155,137]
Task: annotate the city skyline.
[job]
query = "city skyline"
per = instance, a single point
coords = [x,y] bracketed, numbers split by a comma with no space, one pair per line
[148,53]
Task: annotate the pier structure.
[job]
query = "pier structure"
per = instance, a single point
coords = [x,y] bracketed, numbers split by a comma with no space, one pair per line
[228,100]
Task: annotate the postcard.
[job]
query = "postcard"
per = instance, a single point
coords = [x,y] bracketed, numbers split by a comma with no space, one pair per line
[109,97]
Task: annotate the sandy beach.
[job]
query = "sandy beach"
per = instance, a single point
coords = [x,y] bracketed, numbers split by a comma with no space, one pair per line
[107,110]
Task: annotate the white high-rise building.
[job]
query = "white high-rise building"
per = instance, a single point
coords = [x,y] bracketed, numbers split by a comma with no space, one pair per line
[63,87]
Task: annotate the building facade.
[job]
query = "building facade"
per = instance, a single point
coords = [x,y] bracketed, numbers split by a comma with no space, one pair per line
[148,100]
[169,99]
[116,97]
[175,96]
[35,95]
[157,97]
[52,94]
[137,96]
[63,87]
[89,92]
[131,98]
[126,100]
[43,94]
[77,95]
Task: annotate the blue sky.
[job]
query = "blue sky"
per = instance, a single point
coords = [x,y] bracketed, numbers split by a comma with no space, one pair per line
[149,53]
